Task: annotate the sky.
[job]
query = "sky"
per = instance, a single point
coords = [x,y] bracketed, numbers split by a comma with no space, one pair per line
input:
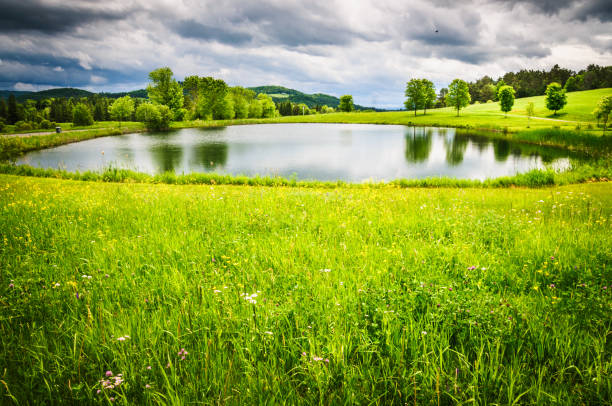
[367,48]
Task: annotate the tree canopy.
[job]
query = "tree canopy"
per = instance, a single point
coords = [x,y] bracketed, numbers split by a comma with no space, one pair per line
[506,98]
[346,103]
[414,95]
[458,95]
[164,89]
[121,109]
[81,115]
[555,98]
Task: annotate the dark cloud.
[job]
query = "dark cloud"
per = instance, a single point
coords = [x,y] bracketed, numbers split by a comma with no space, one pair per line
[35,15]
[597,9]
[44,69]
[545,6]
[268,23]
[194,29]
[577,9]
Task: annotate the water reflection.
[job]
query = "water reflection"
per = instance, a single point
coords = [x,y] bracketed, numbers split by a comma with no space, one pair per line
[165,157]
[211,155]
[418,144]
[455,148]
[312,151]
[501,149]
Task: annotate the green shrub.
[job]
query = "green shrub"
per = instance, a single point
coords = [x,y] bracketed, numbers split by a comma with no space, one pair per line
[23,126]
[46,124]
[81,115]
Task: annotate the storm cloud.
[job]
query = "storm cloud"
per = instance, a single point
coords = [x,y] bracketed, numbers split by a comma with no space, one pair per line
[50,18]
[368,48]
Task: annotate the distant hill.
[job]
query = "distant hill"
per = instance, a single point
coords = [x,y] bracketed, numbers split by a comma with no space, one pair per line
[139,94]
[66,92]
[4,94]
[278,94]
[281,94]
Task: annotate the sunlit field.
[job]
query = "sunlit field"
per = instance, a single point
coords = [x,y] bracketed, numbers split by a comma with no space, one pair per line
[157,294]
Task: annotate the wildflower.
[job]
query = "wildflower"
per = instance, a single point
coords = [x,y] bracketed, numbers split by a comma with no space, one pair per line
[450,288]
[107,276]
[552,285]
[98,391]
[168,365]
[424,332]
[303,354]
[147,386]
[268,332]
[471,268]
[327,360]
[112,399]
[149,367]
[11,285]
[325,270]
[109,373]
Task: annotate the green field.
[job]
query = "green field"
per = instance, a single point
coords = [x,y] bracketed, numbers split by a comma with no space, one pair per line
[304,296]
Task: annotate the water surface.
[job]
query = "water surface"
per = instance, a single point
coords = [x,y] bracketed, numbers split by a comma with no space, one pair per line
[349,152]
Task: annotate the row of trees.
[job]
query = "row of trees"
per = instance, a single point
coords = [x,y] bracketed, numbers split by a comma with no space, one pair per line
[421,95]
[535,82]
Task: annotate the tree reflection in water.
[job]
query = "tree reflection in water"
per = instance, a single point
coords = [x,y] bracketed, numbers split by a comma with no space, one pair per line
[418,144]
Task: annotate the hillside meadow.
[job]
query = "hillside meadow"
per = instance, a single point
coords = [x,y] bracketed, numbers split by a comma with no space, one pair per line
[173,294]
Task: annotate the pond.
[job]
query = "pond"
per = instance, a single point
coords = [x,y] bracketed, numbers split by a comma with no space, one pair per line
[349,152]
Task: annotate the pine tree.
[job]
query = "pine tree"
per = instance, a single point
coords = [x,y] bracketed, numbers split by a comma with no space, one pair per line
[11,115]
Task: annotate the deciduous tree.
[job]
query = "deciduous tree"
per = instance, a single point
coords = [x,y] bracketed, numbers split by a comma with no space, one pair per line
[555,98]
[81,115]
[164,89]
[506,98]
[605,107]
[414,95]
[530,112]
[458,95]
[429,94]
[121,109]
[346,103]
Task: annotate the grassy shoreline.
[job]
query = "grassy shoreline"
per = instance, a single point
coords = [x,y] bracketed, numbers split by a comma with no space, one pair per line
[580,172]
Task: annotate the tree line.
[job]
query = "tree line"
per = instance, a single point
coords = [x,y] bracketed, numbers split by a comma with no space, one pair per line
[421,95]
[196,98]
[529,83]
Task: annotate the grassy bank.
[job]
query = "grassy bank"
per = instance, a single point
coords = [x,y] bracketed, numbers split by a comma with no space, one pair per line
[246,295]
[13,146]
[580,172]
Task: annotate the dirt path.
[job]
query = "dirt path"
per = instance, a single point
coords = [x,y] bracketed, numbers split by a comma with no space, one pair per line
[534,118]
[40,133]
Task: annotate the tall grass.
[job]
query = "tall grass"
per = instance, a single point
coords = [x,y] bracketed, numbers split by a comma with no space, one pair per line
[249,295]
[581,171]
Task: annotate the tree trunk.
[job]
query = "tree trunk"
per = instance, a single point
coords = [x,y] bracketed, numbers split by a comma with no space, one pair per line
[415,111]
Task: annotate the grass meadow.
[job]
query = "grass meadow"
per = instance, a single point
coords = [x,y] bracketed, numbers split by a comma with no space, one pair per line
[177,294]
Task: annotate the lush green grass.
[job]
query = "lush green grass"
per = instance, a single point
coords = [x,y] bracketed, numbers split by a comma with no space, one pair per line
[579,107]
[486,296]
